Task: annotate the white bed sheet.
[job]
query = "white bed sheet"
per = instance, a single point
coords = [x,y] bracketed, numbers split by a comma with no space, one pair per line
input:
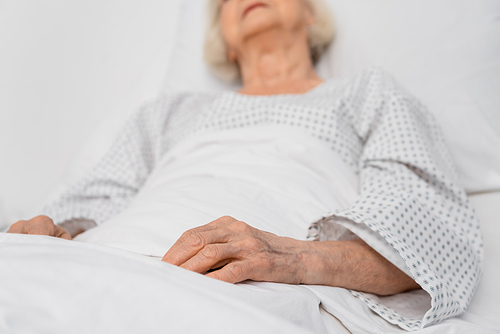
[95,283]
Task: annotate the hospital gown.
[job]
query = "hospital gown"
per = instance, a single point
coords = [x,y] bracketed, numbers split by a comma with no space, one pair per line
[411,208]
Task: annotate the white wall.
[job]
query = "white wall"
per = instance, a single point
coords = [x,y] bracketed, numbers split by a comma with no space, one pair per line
[64,66]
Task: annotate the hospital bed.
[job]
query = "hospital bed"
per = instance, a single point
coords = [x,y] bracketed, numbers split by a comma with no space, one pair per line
[71,74]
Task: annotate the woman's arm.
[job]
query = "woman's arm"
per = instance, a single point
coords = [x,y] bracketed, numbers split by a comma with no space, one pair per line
[112,183]
[412,208]
[358,266]
[246,253]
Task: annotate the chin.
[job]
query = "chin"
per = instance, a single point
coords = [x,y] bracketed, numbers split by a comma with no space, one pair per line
[258,23]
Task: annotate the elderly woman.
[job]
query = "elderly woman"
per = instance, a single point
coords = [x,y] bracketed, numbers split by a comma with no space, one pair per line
[411,227]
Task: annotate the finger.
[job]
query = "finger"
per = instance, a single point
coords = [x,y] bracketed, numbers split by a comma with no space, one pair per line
[41,219]
[222,221]
[220,264]
[210,256]
[217,223]
[40,229]
[17,227]
[192,242]
[62,233]
[233,272]
[41,225]
[188,236]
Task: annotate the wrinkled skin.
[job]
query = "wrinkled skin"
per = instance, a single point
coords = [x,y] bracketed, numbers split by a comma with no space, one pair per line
[232,251]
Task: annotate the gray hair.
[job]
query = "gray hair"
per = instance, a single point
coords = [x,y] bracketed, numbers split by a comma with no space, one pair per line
[320,35]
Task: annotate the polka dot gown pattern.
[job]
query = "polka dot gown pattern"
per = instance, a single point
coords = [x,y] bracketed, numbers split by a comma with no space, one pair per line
[411,208]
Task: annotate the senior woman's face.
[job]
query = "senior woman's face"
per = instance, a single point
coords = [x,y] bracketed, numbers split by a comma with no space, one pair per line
[243,19]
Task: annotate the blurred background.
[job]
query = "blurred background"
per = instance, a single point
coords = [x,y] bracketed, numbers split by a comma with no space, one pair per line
[64,67]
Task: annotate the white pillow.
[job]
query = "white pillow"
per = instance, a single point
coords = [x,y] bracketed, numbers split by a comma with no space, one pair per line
[446,52]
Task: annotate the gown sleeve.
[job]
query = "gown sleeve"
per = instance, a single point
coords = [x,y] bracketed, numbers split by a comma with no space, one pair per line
[411,208]
[113,182]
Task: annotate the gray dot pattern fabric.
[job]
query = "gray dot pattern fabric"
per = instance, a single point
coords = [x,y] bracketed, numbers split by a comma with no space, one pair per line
[412,208]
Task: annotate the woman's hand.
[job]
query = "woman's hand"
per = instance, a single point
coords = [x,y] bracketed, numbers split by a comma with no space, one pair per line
[241,252]
[40,225]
